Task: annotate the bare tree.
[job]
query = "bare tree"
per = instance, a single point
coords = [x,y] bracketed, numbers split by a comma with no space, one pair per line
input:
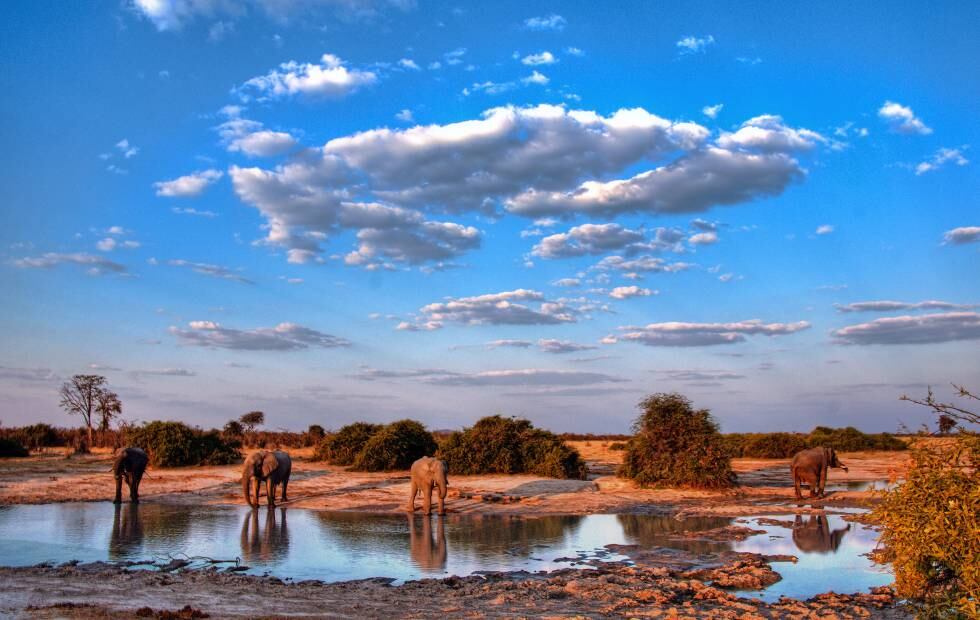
[108,406]
[80,396]
[950,410]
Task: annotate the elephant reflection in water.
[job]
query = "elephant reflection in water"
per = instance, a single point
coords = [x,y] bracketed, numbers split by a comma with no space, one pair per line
[815,534]
[127,531]
[428,552]
[266,543]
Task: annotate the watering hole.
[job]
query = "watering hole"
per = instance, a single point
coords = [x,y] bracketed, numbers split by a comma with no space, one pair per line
[339,546]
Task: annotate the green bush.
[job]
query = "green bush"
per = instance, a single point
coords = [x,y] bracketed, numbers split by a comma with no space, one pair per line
[498,445]
[851,439]
[396,446]
[37,436]
[174,444]
[765,445]
[675,445]
[342,447]
[11,448]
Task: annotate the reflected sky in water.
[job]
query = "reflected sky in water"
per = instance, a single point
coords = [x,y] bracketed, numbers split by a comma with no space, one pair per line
[337,546]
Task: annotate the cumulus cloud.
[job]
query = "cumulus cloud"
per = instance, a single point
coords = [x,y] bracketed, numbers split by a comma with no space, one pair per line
[126,149]
[536,77]
[528,376]
[541,58]
[547,22]
[892,306]
[678,334]
[504,308]
[901,119]
[96,265]
[824,229]
[625,292]
[646,264]
[405,116]
[922,329]
[249,137]
[415,244]
[703,238]
[942,157]
[192,211]
[328,78]
[769,134]
[963,234]
[704,225]
[568,282]
[697,182]
[282,337]
[189,185]
[214,271]
[694,45]
[588,239]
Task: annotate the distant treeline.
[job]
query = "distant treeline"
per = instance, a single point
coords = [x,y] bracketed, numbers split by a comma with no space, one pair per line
[785,445]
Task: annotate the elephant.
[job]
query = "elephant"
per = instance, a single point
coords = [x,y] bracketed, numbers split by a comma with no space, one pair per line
[127,532]
[428,472]
[273,468]
[129,463]
[815,535]
[264,544]
[810,466]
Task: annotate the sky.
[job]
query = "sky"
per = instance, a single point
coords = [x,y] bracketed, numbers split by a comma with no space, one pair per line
[340,210]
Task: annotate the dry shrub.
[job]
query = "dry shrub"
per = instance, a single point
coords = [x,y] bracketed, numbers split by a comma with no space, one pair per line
[498,445]
[396,446]
[11,448]
[931,522]
[675,445]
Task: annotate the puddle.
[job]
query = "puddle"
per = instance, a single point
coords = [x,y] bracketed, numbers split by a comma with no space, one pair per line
[339,546]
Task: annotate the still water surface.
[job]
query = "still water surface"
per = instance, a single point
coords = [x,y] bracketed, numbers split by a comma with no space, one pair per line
[339,546]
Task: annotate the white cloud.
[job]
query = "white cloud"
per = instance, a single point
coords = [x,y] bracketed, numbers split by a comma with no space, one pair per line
[106,245]
[163,372]
[535,78]
[283,337]
[769,134]
[96,265]
[824,229]
[249,137]
[32,375]
[504,308]
[127,149]
[703,238]
[645,264]
[541,58]
[699,375]
[574,51]
[679,334]
[408,63]
[189,185]
[704,179]
[548,22]
[963,234]
[172,15]
[704,225]
[405,116]
[711,111]
[215,271]
[511,343]
[891,306]
[695,45]
[901,119]
[328,78]
[454,57]
[567,282]
[626,292]
[588,239]
[922,329]
[942,157]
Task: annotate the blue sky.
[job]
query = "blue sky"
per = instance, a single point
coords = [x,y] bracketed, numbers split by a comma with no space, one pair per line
[336,211]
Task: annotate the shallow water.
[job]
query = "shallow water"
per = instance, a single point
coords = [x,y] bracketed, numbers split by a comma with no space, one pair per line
[339,546]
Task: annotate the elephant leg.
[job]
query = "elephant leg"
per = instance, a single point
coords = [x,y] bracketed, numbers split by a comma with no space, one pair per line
[796,485]
[134,488]
[285,483]
[823,481]
[270,492]
[427,499]
[258,486]
[118,499]
[411,498]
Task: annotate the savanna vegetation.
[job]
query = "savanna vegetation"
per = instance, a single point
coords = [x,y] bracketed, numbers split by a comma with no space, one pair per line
[676,445]
[931,521]
[175,444]
[785,445]
[496,444]
[377,447]
[11,448]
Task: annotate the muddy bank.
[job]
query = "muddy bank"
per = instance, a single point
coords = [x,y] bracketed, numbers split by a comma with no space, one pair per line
[609,590]
[765,487]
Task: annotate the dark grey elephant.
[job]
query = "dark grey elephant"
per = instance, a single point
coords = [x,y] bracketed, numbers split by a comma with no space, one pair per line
[815,534]
[427,473]
[129,464]
[273,468]
[810,466]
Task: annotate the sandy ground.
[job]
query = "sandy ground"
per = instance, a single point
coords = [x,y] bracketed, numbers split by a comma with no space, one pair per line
[765,486]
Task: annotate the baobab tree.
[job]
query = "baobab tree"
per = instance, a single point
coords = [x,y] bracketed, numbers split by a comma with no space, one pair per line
[86,395]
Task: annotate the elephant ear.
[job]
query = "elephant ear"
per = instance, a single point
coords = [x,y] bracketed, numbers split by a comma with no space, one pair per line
[117,465]
[269,464]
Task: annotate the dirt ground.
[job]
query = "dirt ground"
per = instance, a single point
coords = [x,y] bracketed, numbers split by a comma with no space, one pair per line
[765,486]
